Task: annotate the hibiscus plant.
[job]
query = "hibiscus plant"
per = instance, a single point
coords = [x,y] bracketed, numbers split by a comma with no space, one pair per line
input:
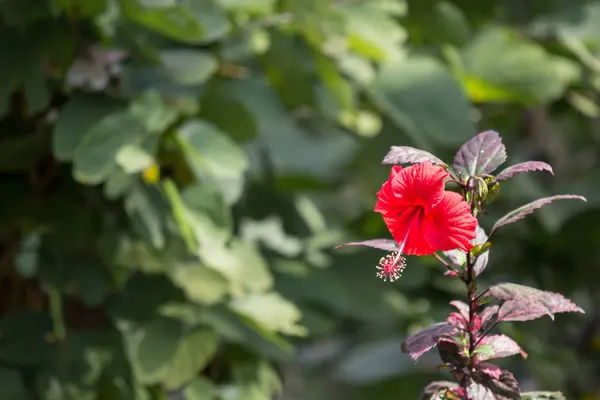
[431,208]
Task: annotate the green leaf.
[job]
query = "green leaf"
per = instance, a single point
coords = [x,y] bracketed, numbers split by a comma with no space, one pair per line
[188,67]
[90,281]
[241,263]
[24,339]
[28,258]
[85,356]
[147,209]
[272,311]
[141,297]
[258,380]
[134,158]
[195,22]
[219,103]
[79,114]
[214,156]
[421,97]
[195,351]
[23,152]
[500,65]
[204,199]
[244,331]
[95,156]
[12,384]
[154,347]
[270,232]
[373,31]
[180,214]
[201,389]
[286,143]
[154,112]
[201,284]
[339,88]
[34,82]
[82,8]
[253,6]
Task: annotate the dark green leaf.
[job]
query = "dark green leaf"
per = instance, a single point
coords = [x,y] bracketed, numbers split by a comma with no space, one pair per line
[76,118]
[421,97]
[212,155]
[197,22]
[154,347]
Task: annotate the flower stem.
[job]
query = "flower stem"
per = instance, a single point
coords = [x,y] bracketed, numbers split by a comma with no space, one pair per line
[444,263]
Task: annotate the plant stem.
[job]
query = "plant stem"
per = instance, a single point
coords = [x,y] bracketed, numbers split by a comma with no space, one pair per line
[471,283]
[487,331]
[472,298]
[444,263]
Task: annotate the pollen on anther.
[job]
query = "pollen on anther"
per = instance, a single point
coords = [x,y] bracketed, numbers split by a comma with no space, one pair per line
[391,267]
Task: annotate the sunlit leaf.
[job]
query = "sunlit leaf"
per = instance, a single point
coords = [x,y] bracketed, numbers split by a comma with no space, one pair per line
[523,303]
[502,346]
[381,244]
[523,167]
[194,351]
[480,155]
[272,311]
[406,155]
[523,211]
[425,339]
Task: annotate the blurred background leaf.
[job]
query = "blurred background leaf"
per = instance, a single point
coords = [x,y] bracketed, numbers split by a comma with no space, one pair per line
[175,175]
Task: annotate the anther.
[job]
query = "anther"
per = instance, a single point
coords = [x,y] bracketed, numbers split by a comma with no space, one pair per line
[391,266]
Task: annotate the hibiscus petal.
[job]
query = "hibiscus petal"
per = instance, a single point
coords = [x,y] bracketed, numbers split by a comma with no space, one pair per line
[411,222]
[450,225]
[386,199]
[420,184]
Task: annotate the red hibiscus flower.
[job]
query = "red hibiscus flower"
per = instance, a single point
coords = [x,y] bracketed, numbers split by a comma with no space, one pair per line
[423,217]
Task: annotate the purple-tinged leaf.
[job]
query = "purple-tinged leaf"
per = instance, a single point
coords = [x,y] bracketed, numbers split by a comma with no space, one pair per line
[437,387]
[482,258]
[524,303]
[491,370]
[523,167]
[381,244]
[505,387]
[488,313]
[543,396]
[462,308]
[502,346]
[452,353]
[425,339]
[480,155]
[458,321]
[409,155]
[527,209]
[477,391]
[521,310]
[459,257]
[526,310]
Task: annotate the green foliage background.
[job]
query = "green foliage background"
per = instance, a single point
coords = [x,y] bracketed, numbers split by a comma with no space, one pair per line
[175,173]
